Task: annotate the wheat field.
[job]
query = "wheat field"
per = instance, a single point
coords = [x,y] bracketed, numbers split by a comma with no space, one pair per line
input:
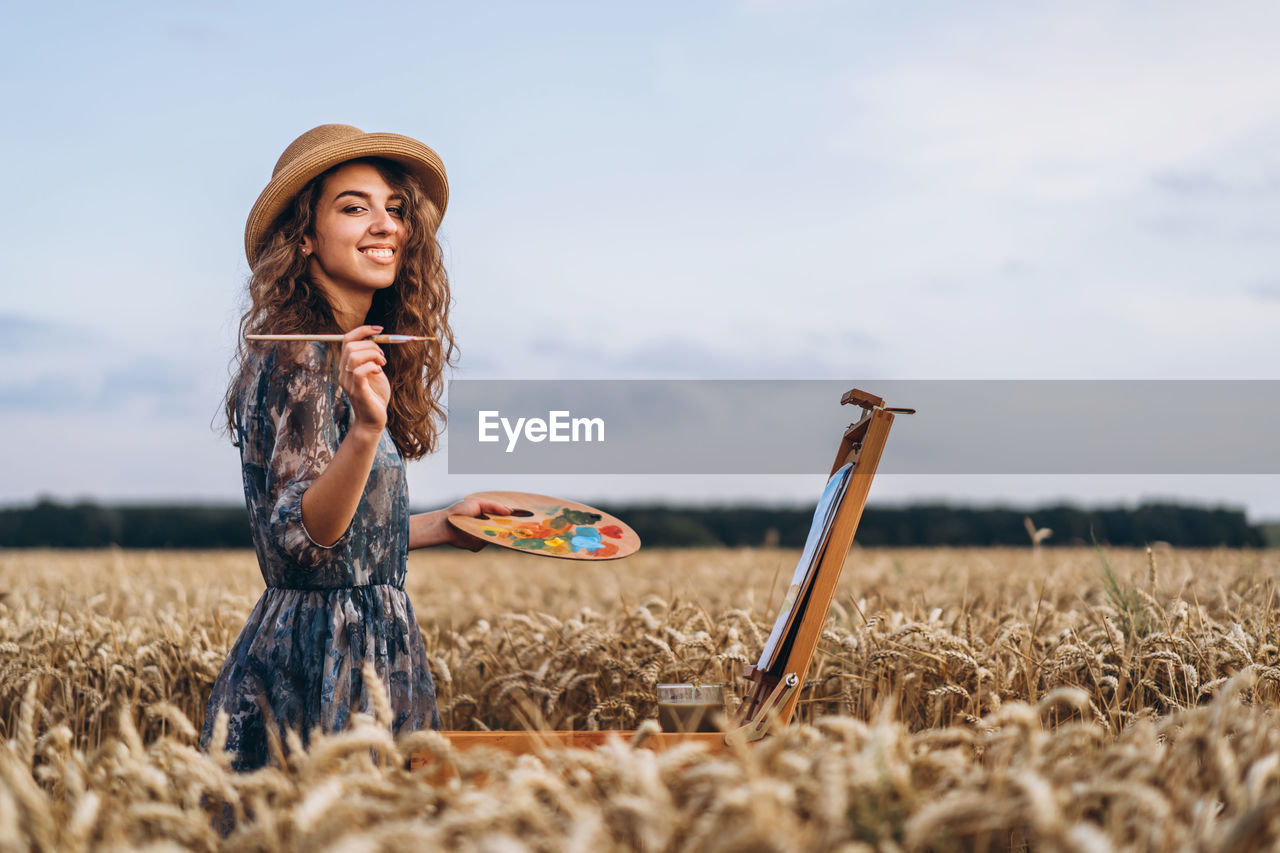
[1072,699]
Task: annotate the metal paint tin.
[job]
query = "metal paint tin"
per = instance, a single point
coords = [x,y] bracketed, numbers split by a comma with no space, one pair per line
[690,707]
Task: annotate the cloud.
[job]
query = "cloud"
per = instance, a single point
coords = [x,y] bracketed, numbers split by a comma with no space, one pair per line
[779,5]
[1204,183]
[194,33]
[68,369]
[1268,289]
[50,397]
[21,332]
[1191,183]
[1180,227]
[827,355]
[1069,102]
[165,384]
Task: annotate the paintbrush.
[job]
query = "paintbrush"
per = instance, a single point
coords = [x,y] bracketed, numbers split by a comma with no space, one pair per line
[336,339]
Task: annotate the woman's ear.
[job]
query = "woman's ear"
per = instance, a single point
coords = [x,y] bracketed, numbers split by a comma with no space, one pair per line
[306,247]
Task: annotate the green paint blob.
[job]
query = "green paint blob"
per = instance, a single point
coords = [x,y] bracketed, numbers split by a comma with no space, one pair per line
[531,544]
[573,516]
[577,516]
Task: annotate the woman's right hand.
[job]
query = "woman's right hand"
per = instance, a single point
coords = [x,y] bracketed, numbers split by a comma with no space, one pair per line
[361,376]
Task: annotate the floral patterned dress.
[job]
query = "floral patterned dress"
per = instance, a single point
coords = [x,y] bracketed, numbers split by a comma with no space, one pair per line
[326,610]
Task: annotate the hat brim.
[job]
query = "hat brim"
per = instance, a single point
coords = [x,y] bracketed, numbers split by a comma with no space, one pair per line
[277,195]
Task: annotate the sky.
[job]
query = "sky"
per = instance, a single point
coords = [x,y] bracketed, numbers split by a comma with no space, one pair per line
[757,189]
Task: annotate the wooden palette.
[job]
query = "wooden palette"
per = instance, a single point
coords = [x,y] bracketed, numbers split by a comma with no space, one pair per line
[550,527]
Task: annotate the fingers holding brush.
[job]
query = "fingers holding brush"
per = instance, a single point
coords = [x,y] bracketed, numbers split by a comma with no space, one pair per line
[362,378]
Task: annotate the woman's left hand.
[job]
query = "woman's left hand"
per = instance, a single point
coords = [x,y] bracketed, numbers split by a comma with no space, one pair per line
[433,528]
[472,507]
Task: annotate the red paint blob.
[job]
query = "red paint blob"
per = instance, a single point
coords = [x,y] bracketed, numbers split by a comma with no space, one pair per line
[613,531]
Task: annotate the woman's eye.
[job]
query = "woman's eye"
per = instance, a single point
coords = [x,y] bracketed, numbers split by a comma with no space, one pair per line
[395,211]
[352,208]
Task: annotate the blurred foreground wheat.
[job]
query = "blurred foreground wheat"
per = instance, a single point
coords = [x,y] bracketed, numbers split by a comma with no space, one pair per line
[1070,699]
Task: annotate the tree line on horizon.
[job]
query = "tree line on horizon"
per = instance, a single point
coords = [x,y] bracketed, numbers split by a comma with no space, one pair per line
[49,524]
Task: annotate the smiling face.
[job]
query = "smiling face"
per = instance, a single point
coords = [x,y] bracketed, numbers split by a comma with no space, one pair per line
[359,234]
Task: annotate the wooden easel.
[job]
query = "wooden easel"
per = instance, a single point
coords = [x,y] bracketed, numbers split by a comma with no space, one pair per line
[771,700]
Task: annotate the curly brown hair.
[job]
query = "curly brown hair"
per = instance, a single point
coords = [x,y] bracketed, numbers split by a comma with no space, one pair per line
[284,300]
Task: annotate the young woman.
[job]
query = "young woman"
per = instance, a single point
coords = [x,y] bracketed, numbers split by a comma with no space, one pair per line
[343,239]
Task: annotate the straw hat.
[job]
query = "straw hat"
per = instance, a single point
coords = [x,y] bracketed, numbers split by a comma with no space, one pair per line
[324,147]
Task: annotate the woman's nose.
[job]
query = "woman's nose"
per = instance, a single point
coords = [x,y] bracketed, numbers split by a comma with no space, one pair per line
[384,223]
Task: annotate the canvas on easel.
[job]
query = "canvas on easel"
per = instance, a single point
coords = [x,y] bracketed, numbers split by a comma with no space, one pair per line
[802,579]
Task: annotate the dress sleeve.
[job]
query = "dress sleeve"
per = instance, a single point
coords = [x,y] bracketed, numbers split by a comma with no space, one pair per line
[306,437]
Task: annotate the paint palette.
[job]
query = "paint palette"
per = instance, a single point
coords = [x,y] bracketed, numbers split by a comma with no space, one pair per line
[550,527]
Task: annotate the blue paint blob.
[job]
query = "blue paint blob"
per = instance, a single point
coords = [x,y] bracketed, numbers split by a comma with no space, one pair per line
[586,543]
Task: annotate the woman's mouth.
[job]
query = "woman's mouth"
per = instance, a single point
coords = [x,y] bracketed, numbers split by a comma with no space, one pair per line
[380,254]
